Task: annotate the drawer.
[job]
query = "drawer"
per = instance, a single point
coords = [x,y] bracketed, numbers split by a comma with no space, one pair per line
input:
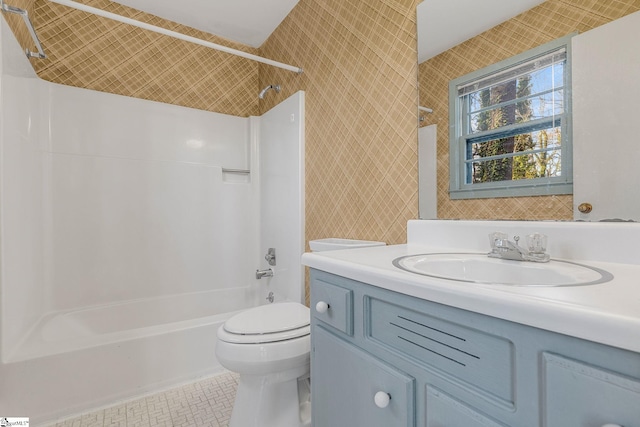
[339,300]
[578,394]
[461,354]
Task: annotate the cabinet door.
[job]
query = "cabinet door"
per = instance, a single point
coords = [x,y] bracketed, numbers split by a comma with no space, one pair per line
[580,395]
[344,382]
[444,410]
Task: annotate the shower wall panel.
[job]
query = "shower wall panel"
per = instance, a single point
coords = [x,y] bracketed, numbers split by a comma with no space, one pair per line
[22,163]
[106,198]
[139,203]
[282,195]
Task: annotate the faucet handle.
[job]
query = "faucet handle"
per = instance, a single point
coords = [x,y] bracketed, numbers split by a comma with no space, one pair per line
[497,240]
[537,243]
[270,297]
[537,247]
[270,257]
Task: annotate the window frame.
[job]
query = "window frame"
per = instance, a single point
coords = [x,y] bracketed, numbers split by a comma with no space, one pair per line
[458,142]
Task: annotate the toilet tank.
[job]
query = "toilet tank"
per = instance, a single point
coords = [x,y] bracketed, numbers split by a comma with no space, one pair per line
[332,244]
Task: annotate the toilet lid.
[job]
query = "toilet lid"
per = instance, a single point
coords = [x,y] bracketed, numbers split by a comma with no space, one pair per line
[290,335]
[269,319]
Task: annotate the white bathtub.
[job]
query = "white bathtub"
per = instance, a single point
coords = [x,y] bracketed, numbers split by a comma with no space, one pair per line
[65,331]
[82,359]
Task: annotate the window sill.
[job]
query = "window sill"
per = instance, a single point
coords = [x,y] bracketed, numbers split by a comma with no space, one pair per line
[511,191]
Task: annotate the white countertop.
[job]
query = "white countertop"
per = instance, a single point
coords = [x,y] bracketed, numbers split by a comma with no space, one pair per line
[607,313]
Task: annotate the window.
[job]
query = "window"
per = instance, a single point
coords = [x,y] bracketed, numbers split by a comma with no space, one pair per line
[511,133]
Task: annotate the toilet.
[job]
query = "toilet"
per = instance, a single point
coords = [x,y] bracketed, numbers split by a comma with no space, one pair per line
[269,346]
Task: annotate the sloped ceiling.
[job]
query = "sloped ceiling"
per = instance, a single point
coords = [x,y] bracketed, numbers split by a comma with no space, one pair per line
[443,24]
[248,22]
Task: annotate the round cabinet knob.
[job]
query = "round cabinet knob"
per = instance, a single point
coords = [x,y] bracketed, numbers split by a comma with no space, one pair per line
[586,208]
[382,399]
[322,307]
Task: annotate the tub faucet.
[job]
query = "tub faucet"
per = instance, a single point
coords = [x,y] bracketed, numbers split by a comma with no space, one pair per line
[264,273]
[502,247]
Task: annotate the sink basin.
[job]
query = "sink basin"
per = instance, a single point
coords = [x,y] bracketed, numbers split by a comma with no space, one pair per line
[479,268]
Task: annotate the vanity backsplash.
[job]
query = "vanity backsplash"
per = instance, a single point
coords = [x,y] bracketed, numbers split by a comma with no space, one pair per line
[602,241]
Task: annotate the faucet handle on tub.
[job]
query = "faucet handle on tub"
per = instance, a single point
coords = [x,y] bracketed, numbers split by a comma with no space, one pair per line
[270,257]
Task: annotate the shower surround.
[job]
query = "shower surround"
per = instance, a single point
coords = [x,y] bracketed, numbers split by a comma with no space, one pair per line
[127,237]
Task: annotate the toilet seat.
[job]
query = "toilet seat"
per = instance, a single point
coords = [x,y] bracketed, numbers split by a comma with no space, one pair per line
[267,323]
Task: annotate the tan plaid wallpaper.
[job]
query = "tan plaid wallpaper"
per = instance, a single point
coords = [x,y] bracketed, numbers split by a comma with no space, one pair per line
[361,91]
[360,79]
[92,52]
[548,21]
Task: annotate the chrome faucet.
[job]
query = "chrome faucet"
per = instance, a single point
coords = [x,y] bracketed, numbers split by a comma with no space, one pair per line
[502,247]
[264,273]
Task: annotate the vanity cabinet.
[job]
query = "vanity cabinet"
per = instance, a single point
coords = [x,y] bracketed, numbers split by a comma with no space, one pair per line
[440,366]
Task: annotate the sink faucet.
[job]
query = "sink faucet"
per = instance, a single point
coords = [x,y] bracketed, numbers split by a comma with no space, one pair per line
[502,247]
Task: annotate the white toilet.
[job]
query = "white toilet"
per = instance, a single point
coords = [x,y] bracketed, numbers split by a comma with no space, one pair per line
[269,346]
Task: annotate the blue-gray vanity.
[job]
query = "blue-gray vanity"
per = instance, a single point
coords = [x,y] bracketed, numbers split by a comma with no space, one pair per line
[394,348]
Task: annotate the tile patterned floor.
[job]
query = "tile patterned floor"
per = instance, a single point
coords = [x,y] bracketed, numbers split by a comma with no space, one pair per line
[206,403]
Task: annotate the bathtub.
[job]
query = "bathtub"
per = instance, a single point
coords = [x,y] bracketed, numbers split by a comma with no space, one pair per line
[72,330]
[86,358]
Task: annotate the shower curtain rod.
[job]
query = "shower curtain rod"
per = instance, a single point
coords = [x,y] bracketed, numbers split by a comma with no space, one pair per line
[175,34]
[25,16]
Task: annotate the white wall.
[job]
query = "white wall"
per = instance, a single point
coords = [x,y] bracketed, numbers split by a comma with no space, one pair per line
[281,154]
[605,69]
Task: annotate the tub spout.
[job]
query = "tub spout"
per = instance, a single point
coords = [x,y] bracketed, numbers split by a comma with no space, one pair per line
[264,273]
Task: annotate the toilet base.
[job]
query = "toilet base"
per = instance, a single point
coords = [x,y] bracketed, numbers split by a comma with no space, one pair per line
[271,401]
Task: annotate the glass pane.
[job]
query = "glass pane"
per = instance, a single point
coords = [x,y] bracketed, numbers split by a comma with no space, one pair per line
[493,119]
[554,61]
[540,106]
[528,155]
[493,95]
[541,93]
[533,108]
[545,79]
[544,164]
